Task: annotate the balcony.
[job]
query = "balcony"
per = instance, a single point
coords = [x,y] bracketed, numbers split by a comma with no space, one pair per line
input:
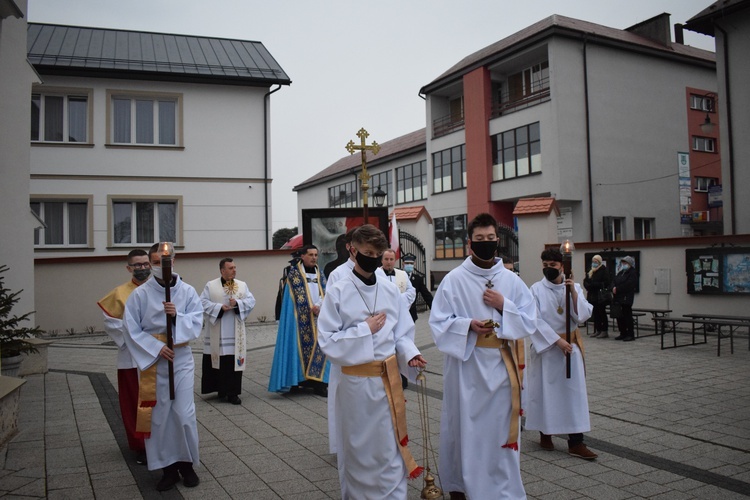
[537,94]
[447,124]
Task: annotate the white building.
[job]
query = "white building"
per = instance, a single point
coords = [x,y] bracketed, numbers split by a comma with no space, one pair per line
[590,115]
[139,137]
[17,222]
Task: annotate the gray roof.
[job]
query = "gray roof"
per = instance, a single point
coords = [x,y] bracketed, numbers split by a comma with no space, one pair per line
[566,26]
[389,150]
[100,52]
[703,22]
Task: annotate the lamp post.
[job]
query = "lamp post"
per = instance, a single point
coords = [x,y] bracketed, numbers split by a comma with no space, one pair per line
[379,197]
[364,176]
[566,249]
[707,126]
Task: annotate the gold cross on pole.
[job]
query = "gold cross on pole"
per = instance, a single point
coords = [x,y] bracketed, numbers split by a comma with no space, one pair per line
[364,176]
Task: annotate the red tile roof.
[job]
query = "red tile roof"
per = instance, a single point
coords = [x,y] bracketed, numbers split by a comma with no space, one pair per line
[530,206]
[410,213]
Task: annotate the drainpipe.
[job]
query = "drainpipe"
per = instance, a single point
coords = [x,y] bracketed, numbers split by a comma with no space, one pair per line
[588,139]
[266,102]
[730,142]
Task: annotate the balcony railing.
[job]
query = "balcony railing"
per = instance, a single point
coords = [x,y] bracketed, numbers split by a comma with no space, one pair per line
[447,124]
[509,103]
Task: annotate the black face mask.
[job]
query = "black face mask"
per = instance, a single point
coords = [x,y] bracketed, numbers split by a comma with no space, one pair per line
[368,264]
[484,250]
[551,273]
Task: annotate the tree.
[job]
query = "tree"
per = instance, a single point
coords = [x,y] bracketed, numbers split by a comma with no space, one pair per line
[12,337]
[282,236]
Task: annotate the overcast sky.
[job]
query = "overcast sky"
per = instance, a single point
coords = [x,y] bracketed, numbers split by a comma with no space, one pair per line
[352,63]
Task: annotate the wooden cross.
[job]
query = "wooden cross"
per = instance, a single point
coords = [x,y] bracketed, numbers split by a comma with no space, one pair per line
[364,176]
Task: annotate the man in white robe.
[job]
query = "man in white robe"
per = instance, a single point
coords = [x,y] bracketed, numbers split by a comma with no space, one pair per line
[172,436]
[226,304]
[556,404]
[113,307]
[479,309]
[366,331]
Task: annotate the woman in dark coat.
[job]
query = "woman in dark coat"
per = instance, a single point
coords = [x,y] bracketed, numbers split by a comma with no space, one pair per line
[623,290]
[598,279]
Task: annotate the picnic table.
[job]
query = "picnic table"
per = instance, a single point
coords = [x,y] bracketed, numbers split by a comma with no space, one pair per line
[661,323]
[726,317]
[655,313]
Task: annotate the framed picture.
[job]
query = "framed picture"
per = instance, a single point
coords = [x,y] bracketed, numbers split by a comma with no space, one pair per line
[325,227]
[720,270]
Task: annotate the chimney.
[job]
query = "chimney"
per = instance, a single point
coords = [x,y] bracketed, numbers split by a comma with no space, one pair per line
[656,29]
[678,36]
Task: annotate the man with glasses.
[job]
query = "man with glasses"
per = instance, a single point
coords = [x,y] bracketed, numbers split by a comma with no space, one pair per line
[113,307]
[479,310]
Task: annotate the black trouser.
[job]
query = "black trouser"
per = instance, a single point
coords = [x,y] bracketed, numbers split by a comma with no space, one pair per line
[225,380]
[625,321]
[601,321]
[573,439]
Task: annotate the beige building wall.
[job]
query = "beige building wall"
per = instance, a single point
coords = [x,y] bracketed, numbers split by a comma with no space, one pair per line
[67,290]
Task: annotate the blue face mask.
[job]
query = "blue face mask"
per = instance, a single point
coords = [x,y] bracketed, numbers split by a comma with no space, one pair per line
[594,265]
[409,268]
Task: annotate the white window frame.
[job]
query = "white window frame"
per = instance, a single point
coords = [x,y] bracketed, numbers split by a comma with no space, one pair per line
[40,233]
[133,200]
[701,103]
[155,98]
[703,183]
[640,224]
[610,225]
[704,144]
[66,94]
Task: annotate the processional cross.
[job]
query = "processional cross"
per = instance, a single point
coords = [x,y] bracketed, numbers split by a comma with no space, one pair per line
[364,176]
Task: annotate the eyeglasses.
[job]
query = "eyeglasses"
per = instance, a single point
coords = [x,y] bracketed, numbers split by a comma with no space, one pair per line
[140,265]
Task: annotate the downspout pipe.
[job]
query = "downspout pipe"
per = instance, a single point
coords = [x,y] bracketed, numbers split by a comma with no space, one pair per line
[730,141]
[588,138]
[266,103]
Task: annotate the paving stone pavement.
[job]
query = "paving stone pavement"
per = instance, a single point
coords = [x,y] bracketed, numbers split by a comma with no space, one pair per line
[672,424]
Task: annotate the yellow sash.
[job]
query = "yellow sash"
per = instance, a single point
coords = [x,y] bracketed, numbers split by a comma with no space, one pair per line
[575,338]
[514,374]
[387,370]
[147,395]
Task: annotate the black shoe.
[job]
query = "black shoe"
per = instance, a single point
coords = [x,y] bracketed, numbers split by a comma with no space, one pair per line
[620,337]
[234,399]
[189,477]
[222,395]
[168,479]
[141,459]
[628,339]
[321,390]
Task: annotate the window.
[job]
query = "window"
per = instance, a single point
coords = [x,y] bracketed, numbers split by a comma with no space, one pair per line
[516,152]
[449,169]
[701,102]
[614,228]
[60,117]
[66,223]
[703,183]
[382,181]
[456,109]
[144,222]
[528,81]
[644,229]
[411,182]
[144,119]
[450,237]
[706,144]
[343,195]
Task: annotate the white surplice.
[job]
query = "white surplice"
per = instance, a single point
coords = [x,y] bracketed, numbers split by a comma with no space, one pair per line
[174,430]
[369,462]
[476,413]
[226,325]
[342,271]
[555,404]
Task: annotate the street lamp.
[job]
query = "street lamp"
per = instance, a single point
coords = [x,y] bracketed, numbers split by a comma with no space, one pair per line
[707,126]
[379,197]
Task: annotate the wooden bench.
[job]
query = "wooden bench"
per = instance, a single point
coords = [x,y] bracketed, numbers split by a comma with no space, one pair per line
[655,313]
[662,322]
[721,317]
[636,325]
